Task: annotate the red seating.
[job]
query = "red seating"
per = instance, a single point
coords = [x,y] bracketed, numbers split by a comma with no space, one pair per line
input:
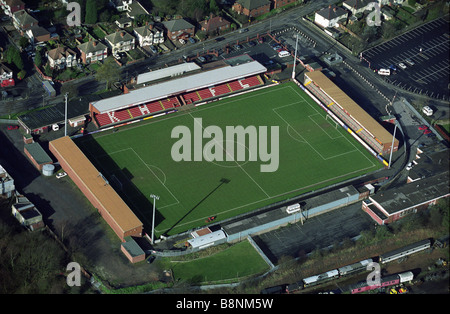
[251,81]
[205,93]
[235,86]
[191,97]
[154,106]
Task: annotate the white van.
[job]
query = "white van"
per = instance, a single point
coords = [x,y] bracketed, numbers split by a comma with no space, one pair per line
[427,110]
[283,53]
[384,72]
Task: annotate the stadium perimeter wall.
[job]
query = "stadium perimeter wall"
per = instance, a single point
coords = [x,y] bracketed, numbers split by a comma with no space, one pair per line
[92,184]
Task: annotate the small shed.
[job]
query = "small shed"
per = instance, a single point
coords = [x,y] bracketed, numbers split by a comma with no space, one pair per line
[37,155]
[132,250]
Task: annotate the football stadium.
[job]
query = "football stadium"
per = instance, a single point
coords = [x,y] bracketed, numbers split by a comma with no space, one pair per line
[130,158]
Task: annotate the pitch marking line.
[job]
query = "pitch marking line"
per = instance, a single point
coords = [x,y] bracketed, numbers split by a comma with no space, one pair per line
[233,158]
[305,141]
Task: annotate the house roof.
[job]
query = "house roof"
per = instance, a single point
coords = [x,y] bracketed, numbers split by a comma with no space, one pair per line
[38,31]
[332,12]
[12,3]
[253,4]
[61,52]
[118,37]
[144,30]
[214,23]
[135,9]
[177,25]
[24,18]
[91,46]
[357,4]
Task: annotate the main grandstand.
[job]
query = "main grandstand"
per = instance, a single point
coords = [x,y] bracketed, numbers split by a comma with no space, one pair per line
[229,76]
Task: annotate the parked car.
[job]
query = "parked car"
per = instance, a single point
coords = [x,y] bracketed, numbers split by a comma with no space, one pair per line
[427,110]
[219,39]
[202,59]
[427,132]
[182,41]
[12,127]
[431,135]
[153,49]
[191,40]
[402,65]
[243,30]
[410,62]
[409,166]
[251,43]
[423,127]
[60,175]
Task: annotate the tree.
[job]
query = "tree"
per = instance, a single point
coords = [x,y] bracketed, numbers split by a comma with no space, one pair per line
[38,59]
[109,71]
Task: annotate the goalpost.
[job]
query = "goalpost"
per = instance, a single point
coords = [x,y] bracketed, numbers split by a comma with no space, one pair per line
[329,118]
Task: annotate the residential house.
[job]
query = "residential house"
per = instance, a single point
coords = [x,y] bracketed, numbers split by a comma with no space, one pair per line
[120,5]
[387,12]
[252,8]
[215,24]
[179,29]
[62,57]
[133,9]
[5,72]
[92,51]
[23,21]
[38,34]
[330,16]
[120,41]
[356,6]
[148,35]
[12,6]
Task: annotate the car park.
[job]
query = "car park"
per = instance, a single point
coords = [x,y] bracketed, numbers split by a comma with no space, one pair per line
[402,65]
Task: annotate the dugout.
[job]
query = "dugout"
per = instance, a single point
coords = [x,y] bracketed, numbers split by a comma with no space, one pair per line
[98,191]
[351,114]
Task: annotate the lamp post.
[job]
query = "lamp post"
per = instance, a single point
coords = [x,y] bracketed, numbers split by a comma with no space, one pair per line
[155,197]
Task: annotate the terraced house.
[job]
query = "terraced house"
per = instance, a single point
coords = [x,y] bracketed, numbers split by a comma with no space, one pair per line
[23,21]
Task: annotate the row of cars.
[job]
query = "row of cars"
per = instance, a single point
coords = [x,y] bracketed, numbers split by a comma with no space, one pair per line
[392,68]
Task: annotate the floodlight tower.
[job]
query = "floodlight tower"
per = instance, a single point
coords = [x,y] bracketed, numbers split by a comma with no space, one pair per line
[295,57]
[155,197]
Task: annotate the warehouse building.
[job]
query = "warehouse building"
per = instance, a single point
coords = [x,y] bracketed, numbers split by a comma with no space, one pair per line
[355,118]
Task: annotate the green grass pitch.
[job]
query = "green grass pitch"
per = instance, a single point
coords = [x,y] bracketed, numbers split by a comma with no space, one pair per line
[313,153]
